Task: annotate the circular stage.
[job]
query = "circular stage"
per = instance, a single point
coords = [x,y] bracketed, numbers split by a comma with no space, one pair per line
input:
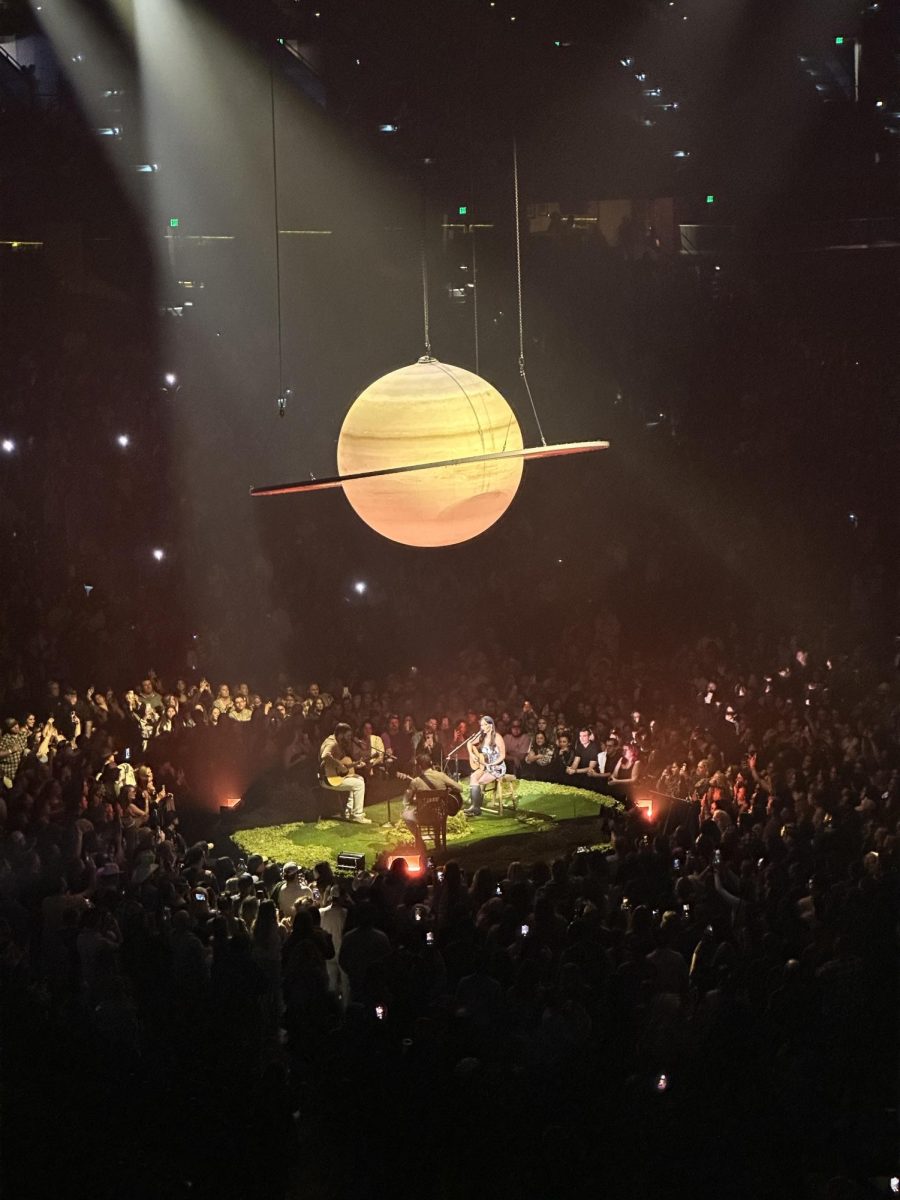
[548,819]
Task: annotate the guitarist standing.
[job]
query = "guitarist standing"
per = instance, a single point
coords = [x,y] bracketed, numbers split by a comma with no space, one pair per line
[337,772]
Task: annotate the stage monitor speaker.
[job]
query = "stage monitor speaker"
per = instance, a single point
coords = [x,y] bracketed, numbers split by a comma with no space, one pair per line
[351,862]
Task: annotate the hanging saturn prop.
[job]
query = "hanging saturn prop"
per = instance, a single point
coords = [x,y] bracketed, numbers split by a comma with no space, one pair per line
[432,454]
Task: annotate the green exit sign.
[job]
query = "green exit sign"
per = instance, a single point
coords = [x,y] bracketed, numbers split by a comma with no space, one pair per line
[463,210]
[710,199]
[173,222]
[839,41]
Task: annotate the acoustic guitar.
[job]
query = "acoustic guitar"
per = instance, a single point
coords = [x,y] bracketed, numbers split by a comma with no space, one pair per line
[489,758]
[348,766]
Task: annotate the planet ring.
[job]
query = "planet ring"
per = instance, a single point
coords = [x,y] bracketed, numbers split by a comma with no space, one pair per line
[336,481]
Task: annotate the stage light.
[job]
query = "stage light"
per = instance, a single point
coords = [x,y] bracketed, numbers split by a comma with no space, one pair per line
[170,379]
[7,445]
[413,862]
[159,554]
[124,440]
[645,807]
[360,587]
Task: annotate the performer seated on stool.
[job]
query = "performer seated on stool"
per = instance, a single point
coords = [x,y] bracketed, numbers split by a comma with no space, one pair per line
[428,779]
[486,758]
[336,772]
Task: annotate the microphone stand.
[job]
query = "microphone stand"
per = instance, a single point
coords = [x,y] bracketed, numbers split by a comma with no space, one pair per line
[456,749]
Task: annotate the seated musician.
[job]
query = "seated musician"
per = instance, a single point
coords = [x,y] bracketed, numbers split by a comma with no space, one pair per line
[486,758]
[336,771]
[427,779]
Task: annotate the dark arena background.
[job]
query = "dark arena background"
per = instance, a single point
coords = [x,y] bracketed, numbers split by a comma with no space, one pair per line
[658,957]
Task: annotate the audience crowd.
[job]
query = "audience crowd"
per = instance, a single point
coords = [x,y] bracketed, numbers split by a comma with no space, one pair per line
[700,1003]
[706,1002]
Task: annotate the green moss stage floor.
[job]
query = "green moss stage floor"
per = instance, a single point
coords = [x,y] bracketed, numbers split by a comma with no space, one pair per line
[548,820]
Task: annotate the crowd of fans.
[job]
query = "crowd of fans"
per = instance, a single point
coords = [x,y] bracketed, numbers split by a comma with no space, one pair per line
[725,972]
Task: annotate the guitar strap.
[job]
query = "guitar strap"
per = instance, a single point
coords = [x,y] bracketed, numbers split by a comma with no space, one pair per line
[452,797]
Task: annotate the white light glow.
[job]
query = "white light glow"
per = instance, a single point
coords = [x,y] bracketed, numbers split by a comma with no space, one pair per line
[360,587]
[7,445]
[159,554]
[124,440]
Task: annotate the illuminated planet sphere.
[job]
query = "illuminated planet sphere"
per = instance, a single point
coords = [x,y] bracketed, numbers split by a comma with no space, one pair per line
[428,413]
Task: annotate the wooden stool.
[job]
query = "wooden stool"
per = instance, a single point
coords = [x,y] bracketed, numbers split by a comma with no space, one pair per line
[507,786]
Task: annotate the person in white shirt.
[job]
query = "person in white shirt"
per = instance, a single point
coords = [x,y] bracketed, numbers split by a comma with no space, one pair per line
[291,890]
[607,757]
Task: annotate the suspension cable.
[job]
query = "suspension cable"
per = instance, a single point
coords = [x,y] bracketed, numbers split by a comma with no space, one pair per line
[425,315]
[537,419]
[277,241]
[426,319]
[475,302]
